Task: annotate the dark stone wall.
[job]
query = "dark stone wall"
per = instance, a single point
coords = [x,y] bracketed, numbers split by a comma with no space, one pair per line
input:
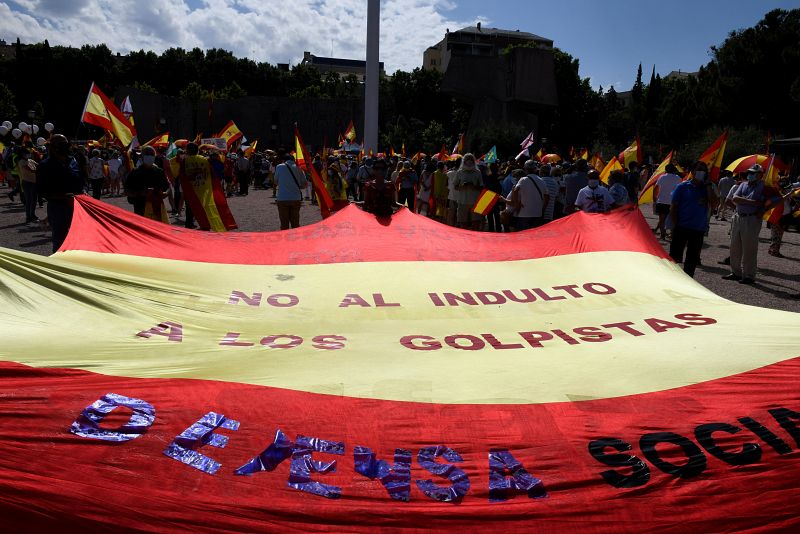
[254,115]
[504,89]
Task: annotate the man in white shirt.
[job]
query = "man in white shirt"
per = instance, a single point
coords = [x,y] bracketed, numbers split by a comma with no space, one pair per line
[594,198]
[114,164]
[452,194]
[662,192]
[97,175]
[530,196]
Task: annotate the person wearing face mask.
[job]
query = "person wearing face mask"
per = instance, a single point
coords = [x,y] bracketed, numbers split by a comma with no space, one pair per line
[594,198]
[58,181]
[691,203]
[748,198]
[379,194]
[147,183]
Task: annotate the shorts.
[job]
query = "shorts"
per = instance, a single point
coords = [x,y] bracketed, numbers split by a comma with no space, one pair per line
[662,209]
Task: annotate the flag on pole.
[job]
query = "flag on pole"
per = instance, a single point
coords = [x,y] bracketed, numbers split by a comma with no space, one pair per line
[251,149]
[403,150]
[350,132]
[127,109]
[486,201]
[631,154]
[539,154]
[459,148]
[304,162]
[611,166]
[100,111]
[442,155]
[491,156]
[584,155]
[597,162]
[526,152]
[159,141]
[713,156]
[774,206]
[528,141]
[646,196]
[230,133]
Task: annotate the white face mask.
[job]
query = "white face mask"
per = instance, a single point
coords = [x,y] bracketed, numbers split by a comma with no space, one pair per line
[594,183]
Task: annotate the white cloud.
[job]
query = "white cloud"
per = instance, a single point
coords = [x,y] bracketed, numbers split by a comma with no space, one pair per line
[274,31]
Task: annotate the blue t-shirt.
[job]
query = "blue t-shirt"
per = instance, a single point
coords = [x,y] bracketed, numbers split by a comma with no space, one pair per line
[692,203]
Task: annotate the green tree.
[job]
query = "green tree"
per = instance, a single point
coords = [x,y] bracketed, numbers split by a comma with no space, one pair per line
[8,109]
[231,92]
[432,137]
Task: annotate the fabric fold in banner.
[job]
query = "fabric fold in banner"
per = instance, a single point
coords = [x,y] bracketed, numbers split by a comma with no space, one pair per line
[155,377]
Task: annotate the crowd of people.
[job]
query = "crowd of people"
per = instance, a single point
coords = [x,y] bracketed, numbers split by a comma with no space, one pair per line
[528,193]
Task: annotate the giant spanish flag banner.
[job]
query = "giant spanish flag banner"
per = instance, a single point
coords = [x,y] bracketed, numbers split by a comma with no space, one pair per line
[566,378]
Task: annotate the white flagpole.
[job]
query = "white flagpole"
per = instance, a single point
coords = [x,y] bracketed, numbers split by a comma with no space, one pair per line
[373,75]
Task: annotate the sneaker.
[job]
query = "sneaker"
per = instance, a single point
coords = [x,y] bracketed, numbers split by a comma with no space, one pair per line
[732,276]
[747,281]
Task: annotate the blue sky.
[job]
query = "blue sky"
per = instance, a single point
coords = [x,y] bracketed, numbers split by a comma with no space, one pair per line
[609,37]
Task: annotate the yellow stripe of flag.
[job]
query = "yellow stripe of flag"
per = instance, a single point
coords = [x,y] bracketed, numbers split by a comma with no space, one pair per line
[485,203]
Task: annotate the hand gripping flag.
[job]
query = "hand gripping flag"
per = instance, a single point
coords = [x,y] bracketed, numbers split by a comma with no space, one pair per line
[100,111]
[157,378]
[486,201]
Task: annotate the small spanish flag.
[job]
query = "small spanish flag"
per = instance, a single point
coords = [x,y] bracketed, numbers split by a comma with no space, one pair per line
[486,201]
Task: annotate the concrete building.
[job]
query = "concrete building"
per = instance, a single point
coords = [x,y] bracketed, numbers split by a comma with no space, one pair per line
[507,76]
[478,41]
[343,67]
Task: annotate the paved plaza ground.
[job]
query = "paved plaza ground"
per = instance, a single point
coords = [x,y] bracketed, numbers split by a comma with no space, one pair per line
[777,285]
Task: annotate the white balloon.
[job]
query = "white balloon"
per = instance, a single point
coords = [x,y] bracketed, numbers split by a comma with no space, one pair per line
[35,129]
[23,126]
[3,129]
[41,141]
[16,132]
[49,126]
[28,129]
[8,124]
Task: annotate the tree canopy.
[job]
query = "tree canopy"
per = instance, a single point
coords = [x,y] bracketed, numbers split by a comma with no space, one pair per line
[751,84]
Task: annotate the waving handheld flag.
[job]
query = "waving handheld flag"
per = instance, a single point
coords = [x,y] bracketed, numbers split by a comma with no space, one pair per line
[100,111]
